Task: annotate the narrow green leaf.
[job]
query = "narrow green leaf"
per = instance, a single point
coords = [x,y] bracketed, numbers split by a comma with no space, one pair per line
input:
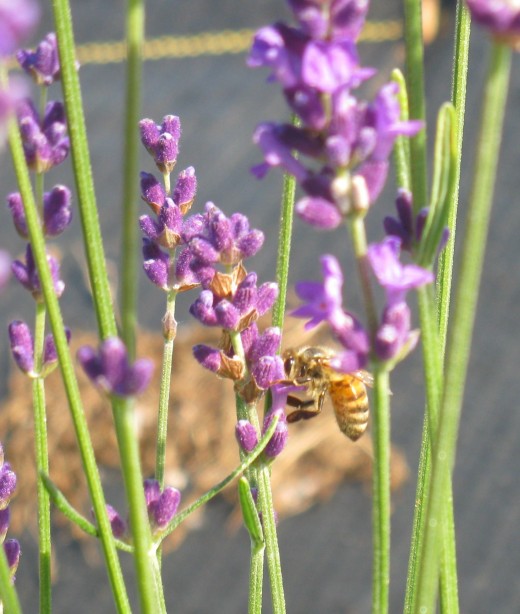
[250,513]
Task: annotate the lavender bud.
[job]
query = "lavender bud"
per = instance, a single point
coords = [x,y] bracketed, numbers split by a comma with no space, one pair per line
[267,371]
[15,204]
[57,213]
[185,189]
[152,191]
[246,435]
[156,264]
[41,63]
[21,341]
[7,485]
[208,357]
[12,552]
[162,142]
[117,524]
[166,507]
[279,439]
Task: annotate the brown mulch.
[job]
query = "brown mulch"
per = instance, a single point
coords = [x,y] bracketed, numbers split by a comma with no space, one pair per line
[201,446]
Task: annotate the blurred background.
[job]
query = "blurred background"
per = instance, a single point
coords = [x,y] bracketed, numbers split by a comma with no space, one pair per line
[326,551]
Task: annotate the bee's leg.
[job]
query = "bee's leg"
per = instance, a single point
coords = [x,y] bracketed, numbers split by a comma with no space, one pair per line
[305,409]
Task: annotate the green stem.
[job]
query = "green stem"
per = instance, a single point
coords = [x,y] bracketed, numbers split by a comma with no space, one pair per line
[164,395]
[381,491]
[92,241]
[42,464]
[129,247]
[144,550]
[416,99]
[459,340]
[265,501]
[68,374]
[256,572]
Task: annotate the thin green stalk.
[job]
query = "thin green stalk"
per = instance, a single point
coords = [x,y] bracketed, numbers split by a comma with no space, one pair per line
[416,99]
[42,464]
[256,572]
[284,245]
[144,551]
[164,395]
[381,491]
[459,339]
[9,602]
[68,374]
[129,247]
[92,241]
[265,501]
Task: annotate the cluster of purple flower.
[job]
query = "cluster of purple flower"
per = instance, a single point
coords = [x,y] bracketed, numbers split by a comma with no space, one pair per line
[46,145]
[348,143]
[7,488]
[212,247]
[161,506]
[500,17]
[348,140]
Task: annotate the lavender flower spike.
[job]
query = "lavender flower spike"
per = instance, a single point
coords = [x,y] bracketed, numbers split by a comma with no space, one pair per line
[110,370]
[41,63]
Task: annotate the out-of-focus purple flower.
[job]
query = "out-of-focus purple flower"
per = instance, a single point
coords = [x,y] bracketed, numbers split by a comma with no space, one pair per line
[5,268]
[7,484]
[22,348]
[323,300]
[396,278]
[500,17]
[394,339]
[57,213]
[109,369]
[28,277]
[162,506]
[281,433]
[218,238]
[117,524]
[162,141]
[246,435]
[42,63]
[12,553]
[403,226]
[18,18]
[337,18]
[45,141]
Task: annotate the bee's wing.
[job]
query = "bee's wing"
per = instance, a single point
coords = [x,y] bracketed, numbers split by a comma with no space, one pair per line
[366,377]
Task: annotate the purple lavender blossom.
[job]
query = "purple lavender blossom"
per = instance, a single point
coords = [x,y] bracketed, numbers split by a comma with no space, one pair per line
[166,230]
[162,506]
[317,67]
[28,277]
[265,366]
[45,141]
[246,435]
[394,337]
[152,192]
[117,524]
[22,349]
[213,237]
[42,63]
[185,189]
[396,279]
[109,369]
[5,517]
[500,17]
[18,18]
[12,553]
[57,213]
[7,484]
[281,433]
[162,141]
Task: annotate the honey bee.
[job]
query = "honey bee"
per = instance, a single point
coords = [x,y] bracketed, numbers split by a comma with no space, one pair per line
[310,367]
